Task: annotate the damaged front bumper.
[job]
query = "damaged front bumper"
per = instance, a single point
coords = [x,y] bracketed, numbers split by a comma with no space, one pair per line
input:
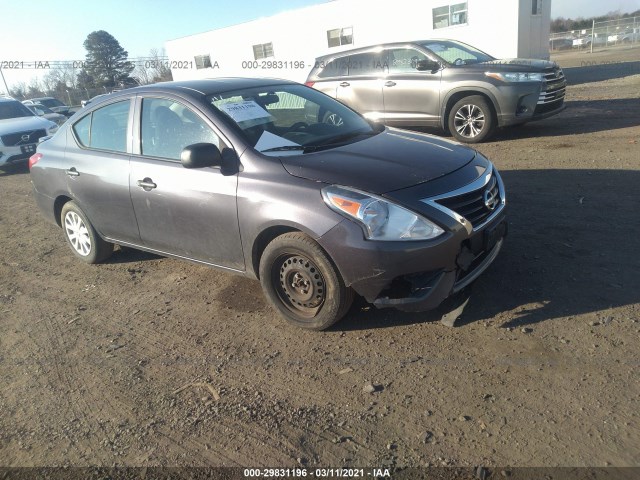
[413,276]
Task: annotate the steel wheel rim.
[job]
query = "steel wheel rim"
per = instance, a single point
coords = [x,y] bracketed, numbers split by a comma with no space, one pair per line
[299,285]
[77,233]
[469,121]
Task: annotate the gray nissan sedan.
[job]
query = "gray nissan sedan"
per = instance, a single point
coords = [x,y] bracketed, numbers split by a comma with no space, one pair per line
[245,175]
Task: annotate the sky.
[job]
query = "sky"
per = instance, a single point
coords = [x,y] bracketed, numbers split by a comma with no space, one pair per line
[47,30]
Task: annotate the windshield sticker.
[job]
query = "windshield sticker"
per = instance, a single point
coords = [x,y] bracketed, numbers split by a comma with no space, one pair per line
[268,140]
[247,113]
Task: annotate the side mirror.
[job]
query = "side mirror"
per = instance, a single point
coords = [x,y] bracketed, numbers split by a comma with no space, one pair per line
[39,112]
[427,65]
[200,155]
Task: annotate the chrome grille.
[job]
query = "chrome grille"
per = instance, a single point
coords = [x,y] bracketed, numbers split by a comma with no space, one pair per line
[554,87]
[473,205]
[13,139]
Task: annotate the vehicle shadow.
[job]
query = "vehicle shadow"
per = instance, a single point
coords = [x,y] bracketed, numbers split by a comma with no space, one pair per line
[14,169]
[131,255]
[600,70]
[580,116]
[571,250]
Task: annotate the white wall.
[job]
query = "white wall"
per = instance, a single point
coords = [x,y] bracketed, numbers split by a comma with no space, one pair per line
[533,38]
[301,35]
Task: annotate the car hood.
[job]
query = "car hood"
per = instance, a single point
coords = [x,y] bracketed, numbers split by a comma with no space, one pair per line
[515,65]
[391,160]
[13,125]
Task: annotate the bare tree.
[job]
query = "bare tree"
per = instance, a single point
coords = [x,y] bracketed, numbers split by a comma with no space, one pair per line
[153,69]
[19,90]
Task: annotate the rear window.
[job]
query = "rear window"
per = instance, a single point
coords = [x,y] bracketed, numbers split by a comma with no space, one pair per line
[358,64]
[105,128]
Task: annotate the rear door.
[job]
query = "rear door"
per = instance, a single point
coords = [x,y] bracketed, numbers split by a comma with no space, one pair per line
[362,88]
[97,169]
[411,97]
[185,212]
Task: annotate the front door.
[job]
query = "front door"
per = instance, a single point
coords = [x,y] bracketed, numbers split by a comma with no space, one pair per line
[185,212]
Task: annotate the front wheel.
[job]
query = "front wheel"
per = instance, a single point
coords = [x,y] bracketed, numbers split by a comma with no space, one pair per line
[471,120]
[83,239]
[301,282]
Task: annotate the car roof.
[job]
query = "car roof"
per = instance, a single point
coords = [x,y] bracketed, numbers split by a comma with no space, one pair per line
[208,86]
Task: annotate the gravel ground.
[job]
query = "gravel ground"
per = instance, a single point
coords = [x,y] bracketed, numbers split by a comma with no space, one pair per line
[149,361]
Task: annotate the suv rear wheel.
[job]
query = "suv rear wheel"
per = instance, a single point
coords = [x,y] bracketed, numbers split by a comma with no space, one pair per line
[471,119]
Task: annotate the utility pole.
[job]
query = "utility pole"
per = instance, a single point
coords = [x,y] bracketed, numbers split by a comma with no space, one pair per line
[5,82]
[593,38]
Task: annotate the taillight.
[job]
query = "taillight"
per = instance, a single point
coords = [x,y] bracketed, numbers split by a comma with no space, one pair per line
[309,84]
[33,159]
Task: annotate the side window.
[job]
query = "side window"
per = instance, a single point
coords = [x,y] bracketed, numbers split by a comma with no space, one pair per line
[403,60]
[167,127]
[334,68]
[369,63]
[105,128]
[82,130]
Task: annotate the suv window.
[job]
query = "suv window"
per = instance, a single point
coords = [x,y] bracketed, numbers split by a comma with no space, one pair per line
[369,63]
[167,127]
[105,128]
[402,60]
[456,52]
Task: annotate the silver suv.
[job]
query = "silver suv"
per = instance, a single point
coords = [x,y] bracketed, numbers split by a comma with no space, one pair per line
[20,131]
[441,83]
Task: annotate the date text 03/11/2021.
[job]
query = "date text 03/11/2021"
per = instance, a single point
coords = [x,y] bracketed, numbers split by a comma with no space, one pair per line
[317,472]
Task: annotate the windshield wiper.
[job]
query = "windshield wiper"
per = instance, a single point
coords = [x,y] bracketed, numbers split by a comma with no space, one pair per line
[339,139]
[284,148]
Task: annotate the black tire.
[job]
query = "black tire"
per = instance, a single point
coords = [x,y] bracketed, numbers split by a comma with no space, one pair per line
[302,283]
[83,239]
[471,120]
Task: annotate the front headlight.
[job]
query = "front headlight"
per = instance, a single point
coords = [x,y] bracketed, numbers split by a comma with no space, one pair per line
[379,218]
[514,77]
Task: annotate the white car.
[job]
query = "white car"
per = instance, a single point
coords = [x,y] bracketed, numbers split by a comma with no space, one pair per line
[20,131]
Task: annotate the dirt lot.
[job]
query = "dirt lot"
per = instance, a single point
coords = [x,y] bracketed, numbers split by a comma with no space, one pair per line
[122,363]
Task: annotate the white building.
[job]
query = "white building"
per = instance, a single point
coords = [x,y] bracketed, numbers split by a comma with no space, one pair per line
[285,45]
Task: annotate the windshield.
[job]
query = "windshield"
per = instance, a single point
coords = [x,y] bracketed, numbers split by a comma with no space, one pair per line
[295,118]
[14,110]
[456,53]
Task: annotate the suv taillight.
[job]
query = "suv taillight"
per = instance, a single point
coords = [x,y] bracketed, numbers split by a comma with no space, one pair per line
[33,159]
[309,84]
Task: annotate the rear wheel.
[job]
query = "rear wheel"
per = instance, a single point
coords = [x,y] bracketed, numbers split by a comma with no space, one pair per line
[83,239]
[471,120]
[302,283]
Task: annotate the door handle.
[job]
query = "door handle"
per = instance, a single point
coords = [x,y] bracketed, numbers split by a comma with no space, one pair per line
[147,184]
[345,84]
[72,172]
[390,84]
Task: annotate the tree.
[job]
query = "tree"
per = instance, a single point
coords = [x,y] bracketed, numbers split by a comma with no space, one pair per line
[19,90]
[154,69]
[106,60]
